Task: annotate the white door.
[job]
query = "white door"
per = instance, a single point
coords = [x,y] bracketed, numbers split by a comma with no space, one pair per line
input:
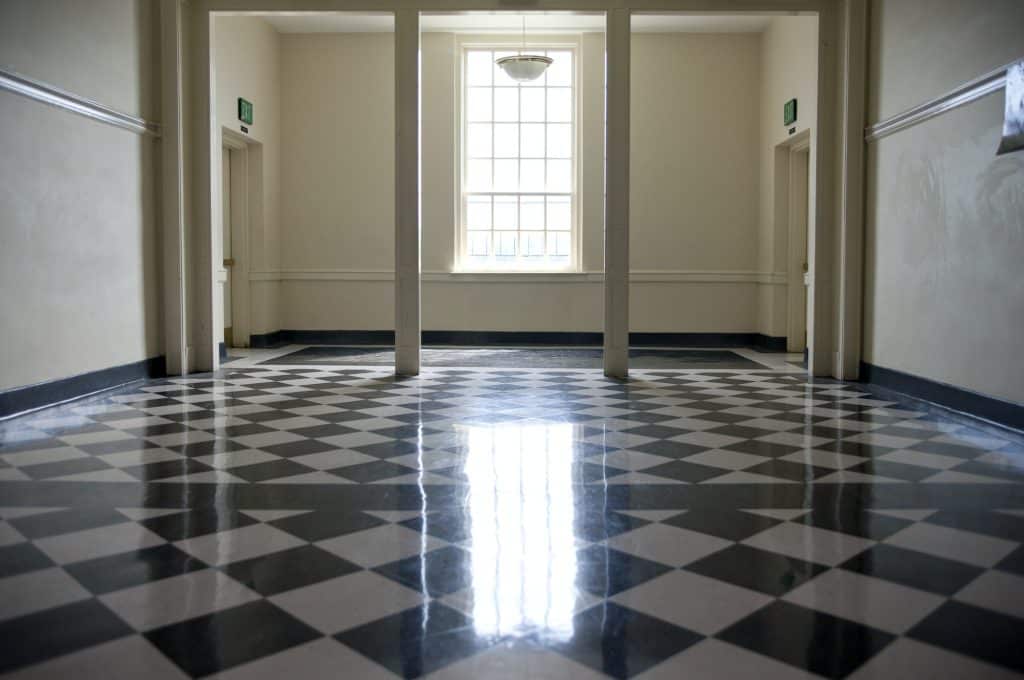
[228,262]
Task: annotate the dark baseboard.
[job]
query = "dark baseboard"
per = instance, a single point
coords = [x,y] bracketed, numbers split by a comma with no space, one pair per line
[222,349]
[470,338]
[996,411]
[41,395]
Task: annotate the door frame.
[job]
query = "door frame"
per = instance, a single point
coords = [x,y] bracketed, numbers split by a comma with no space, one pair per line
[793,211]
[246,203]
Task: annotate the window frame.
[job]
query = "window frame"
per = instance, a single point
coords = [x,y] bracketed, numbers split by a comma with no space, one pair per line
[501,43]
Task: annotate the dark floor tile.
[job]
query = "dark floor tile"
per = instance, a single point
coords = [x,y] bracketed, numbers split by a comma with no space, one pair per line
[64,467]
[884,468]
[762,448]
[1012,473]
[588,473]
[734,525]
[417,641]
[117,446]
[912,568]
[107,574]
[946,449]
[323,524]
[604,572]
[364,473]
[439,572]
[669,449]
[1014,562]
[685,472]
[621,642]
[760,570]
[167,468]
[66,521]
[55,632]
[196,523]
[593,526]
[321,431]
[302,447]
[808,639]
[740,431]
[981,633]
[657,431]
[648,417]
[998,524]
[854,522]
[230,637]
[391,449]
[785,469]
[272,469]
[450,525]
[208,448]
[20,558]
[288,569]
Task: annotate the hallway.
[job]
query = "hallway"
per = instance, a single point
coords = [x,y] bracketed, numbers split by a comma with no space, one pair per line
[482,522]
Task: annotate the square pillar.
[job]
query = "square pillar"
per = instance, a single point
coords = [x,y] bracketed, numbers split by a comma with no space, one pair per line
[407,192]
[616,201]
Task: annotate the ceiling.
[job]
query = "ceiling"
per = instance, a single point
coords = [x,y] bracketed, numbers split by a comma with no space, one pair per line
[509,22]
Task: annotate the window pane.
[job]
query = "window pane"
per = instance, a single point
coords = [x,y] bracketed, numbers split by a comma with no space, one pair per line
[532,105]
[478,175]
[559,212]
[532,135]
[561,244]
[531,212]
[478,68]
[560,72]
[505,244]
[505,216]
[478,140]
[479,243]
[533,244]
[506,140]
[559,176]
[500,77]
[560,140]
[559,104]
[478,104]
[506,175]
[478,212]
[533,176]
[506,104]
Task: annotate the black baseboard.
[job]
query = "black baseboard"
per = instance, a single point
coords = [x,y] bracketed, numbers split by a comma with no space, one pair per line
[41,395]
[997,411]
[580,338]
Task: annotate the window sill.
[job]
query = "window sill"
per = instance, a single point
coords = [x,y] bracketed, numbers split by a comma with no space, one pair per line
[496,276]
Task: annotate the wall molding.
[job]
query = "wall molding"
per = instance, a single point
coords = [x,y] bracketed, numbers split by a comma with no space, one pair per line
[636,276]
[992,409]
[972,90]
[20,400]
[54,96]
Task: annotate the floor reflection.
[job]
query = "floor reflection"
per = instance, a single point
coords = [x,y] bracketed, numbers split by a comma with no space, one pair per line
[521,511]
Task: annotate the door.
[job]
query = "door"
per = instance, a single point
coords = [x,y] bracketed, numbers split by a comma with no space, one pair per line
[228,261]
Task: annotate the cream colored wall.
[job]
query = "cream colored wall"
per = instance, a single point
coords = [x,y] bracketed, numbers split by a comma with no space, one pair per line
[788,69]
[338,203]
[944,296]
[78,207]
[247,63]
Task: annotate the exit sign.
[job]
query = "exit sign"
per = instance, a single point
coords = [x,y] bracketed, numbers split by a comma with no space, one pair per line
[789,112]
[245,111]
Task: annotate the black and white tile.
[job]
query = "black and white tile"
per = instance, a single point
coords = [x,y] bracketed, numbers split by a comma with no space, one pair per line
[474,523]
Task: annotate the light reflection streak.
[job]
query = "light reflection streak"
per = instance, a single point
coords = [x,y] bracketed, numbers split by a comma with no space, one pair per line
[521,513]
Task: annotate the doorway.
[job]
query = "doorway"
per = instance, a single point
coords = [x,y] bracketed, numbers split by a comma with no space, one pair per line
[241,204]
[794,204]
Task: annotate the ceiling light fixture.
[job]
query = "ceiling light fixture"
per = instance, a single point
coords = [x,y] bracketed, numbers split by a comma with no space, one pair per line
[524,67]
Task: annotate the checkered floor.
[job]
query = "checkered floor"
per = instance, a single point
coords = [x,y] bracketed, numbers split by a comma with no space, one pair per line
[495,523]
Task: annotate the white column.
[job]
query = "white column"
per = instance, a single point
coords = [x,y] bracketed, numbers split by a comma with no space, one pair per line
[206,192]
[172,155]
[407,192]
[616,201]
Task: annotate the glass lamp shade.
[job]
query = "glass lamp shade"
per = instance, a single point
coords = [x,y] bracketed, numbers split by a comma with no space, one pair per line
[524,67]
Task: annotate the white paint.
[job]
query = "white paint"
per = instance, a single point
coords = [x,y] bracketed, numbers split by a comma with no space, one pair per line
[943,297]
[78,208]
[617,194]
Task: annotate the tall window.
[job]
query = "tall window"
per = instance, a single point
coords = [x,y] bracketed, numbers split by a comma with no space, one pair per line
[518,165]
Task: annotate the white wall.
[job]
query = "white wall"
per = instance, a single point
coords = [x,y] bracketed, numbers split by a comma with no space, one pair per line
[788,69]
[695,212]
[78,207]
[944,294]
[247,63]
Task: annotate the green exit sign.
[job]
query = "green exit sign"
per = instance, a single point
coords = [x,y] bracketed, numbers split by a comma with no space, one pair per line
[245,111]
[789,112]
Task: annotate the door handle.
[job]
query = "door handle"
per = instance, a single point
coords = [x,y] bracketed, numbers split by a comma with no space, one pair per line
[230,262]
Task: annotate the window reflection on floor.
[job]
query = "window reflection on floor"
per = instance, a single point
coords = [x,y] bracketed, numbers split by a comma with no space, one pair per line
[521,510]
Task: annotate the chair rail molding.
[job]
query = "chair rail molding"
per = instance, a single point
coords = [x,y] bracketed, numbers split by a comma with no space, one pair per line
[964,94]
[54,96]
[636,276]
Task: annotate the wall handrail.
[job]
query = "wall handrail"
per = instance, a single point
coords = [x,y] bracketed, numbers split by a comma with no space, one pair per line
[972,90]
[55,96]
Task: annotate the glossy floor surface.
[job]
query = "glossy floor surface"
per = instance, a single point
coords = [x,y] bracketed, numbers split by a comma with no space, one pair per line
[333,522]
